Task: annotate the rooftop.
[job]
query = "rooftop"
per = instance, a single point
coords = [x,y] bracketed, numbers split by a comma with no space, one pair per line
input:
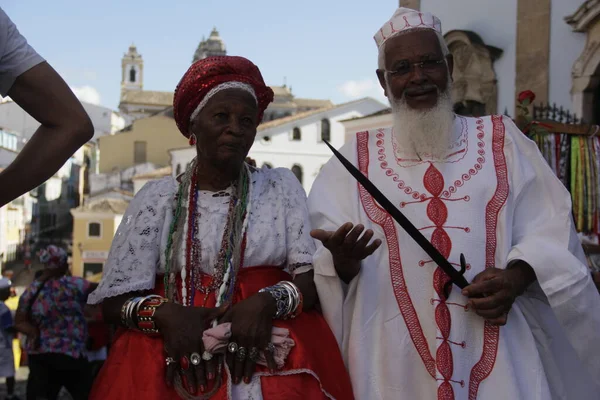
[281,91]
[110,190]
[156,174]
[385,111]
[115,206]
[147,97]
[312,103]
[282,121]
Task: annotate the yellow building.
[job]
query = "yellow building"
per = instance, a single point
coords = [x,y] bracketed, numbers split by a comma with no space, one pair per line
[147,140]
[94,226]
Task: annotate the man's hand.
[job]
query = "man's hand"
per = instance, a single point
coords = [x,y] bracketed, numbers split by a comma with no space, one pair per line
[493,291]
[347,247]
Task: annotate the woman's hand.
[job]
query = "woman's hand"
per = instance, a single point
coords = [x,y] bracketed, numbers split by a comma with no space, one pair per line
[182,328]
[251,325]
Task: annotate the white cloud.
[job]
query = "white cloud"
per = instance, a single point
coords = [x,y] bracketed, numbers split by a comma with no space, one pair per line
[88,94]
[362,88]
[357,88]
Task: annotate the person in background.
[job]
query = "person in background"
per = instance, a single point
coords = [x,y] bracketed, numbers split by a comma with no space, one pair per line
[51,314]
[7,332]
[37,88]
[98,338]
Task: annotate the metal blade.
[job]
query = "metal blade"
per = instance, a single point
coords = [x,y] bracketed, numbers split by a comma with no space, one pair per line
[457,278]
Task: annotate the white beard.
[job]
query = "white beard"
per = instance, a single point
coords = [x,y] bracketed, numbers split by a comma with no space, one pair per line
[427,133]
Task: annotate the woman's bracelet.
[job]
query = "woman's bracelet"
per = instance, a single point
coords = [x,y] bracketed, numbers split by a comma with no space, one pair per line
[138,313]
[288,299]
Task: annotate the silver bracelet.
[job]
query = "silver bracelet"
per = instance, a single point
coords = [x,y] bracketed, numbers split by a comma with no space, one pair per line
[287,298]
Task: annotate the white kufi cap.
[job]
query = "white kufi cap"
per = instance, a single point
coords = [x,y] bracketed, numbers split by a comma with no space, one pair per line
[405,19]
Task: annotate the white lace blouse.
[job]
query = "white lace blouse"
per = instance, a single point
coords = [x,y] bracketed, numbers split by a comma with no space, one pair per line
[278,232]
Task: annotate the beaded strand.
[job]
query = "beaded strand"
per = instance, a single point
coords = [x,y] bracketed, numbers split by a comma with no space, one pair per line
[190,260]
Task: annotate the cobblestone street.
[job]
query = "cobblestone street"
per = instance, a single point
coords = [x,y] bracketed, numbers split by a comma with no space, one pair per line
[21,385]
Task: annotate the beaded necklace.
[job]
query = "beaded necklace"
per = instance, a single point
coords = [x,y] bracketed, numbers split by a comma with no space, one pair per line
[183,250]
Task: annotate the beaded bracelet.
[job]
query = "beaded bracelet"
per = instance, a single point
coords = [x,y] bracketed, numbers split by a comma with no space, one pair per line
[138,313]
[145,316]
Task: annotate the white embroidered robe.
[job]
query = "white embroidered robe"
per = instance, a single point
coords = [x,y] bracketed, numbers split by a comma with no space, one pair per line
[494,199]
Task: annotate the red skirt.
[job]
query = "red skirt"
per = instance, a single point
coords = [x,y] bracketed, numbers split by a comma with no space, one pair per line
[135,368]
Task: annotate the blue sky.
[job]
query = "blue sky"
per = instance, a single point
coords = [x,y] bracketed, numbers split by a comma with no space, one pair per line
[324,48]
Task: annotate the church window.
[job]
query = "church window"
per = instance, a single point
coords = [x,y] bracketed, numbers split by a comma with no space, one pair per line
[94,230]
[297,170]
[139,152]
[132,73]
[296,134]
[325,130]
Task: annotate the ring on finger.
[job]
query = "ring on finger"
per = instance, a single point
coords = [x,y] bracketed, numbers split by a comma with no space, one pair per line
[169,361]
[195,359]
[206,356]
[232,347]
[253,354]
[270,348]
[241,354]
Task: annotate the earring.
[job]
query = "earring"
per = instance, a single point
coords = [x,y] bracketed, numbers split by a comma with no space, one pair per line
[192,139]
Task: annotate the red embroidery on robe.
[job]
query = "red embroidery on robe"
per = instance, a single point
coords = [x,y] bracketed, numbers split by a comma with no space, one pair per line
[491,334]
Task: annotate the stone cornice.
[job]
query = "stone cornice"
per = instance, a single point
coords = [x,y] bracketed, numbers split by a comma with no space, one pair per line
[581,19]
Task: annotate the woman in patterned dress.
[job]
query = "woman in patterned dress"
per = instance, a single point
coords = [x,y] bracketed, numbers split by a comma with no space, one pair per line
[224,243]
[51,314]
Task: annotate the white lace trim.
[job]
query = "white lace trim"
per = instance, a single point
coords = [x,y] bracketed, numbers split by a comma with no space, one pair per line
[278,232]
[258,375]
[223,86]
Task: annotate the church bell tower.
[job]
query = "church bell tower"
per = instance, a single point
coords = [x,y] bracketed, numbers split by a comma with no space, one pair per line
[132,70]
[213,46]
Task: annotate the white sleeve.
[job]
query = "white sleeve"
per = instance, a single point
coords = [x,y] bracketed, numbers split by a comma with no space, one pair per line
[300,246]
[16,55]
[135,251]
[333,201]
[543,236]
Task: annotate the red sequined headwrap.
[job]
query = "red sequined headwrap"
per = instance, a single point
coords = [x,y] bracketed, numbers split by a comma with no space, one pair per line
[205,74]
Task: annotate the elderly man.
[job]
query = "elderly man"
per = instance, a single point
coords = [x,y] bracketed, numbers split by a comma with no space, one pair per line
[527,327]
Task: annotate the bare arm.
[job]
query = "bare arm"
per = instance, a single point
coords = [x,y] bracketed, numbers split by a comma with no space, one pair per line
[43,94]
[111,307]
[306,285]
[23,325]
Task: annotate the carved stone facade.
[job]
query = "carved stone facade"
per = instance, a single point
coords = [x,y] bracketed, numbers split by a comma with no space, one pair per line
[474,89]
[586,70]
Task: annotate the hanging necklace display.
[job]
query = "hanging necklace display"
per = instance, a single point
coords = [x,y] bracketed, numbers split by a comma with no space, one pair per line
[575,159]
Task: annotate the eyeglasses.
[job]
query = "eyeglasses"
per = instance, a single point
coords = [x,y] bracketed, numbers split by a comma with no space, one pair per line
[426,66]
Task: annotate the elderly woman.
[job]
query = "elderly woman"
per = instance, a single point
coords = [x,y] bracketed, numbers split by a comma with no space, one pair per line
[217,266]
